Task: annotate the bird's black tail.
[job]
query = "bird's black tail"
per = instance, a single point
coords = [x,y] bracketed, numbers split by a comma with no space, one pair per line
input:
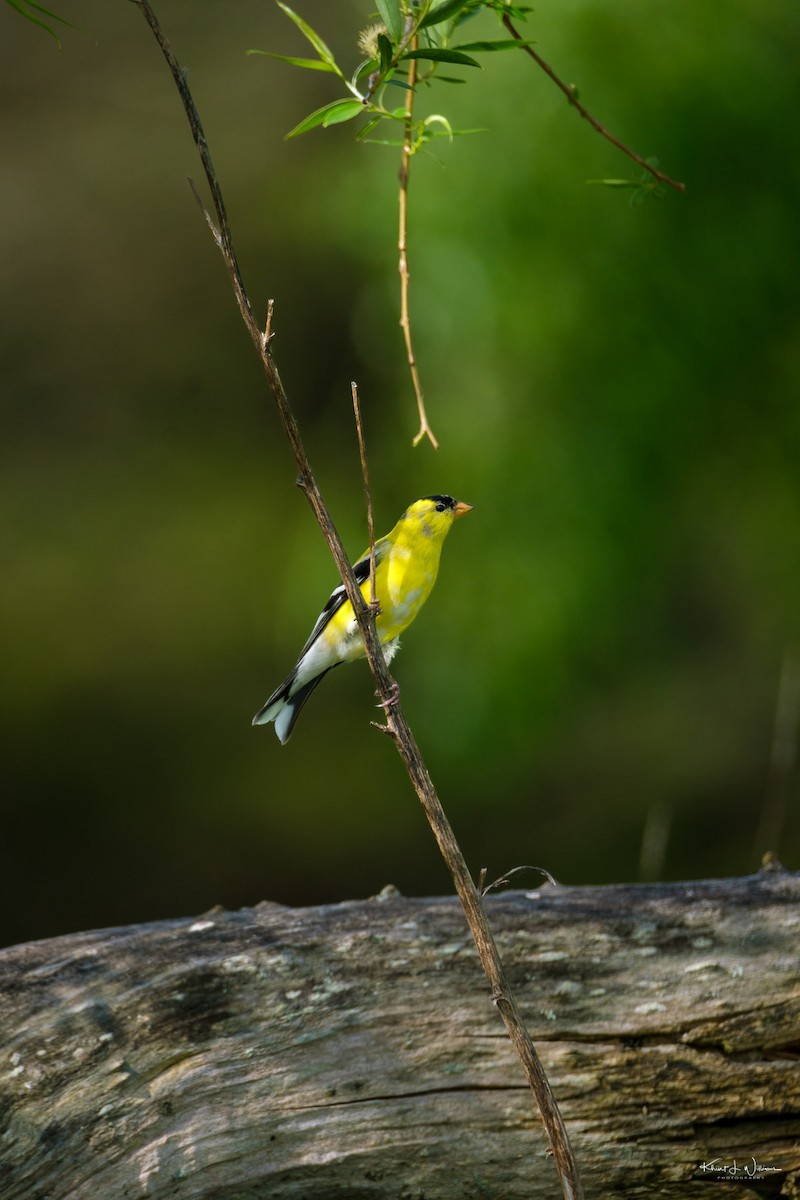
[283,706]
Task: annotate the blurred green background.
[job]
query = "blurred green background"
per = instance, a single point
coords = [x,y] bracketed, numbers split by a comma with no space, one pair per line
[615,389]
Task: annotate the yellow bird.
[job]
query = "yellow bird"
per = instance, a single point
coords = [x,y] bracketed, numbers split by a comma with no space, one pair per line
[406,566]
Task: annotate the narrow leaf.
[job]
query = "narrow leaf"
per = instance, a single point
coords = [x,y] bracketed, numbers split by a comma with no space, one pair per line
[391,17]
[451,56]
[440,133]
[311,64]
[329,114]
[503,44]
[316,41]
[443,12]
[384,141]
[385,50]
[614,183]
[342,110]
[437,119]
[21,5]
[24,6]
[368,128]
[503,9]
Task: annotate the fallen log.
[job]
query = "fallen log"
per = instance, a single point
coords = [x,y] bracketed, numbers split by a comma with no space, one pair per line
[351,1051]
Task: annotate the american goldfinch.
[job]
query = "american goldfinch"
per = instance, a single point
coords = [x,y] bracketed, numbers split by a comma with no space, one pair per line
[406,565]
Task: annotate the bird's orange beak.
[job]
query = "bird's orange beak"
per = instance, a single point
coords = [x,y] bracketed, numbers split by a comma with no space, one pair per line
[461,507]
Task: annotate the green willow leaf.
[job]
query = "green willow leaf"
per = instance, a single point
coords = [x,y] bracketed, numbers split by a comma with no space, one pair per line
[503,44]
[384,141]
[437,119]
[440,133]
[24,7]
[451,56]
[503,9]
[368,128]
[614,183]
[329,114]
[392,18]
[443,12]
[385,50]
[316,41]
[311,64]
[343,110]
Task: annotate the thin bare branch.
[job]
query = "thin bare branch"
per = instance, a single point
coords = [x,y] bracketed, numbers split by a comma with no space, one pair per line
[570,93]
[402,248]
[396,724]
[362,450]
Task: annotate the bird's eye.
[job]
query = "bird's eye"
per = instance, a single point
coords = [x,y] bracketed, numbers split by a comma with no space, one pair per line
[440,507]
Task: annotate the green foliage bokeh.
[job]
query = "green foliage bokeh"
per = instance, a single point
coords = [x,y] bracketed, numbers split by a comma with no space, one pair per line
[614,388]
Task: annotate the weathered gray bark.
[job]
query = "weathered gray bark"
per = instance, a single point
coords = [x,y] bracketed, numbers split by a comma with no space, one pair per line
[351,1051]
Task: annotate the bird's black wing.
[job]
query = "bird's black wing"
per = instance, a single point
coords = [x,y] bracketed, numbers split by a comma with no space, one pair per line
[338,596]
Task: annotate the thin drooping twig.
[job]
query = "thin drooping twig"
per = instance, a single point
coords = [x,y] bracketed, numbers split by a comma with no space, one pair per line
[362,451]
[397,725]
[402,249]
[485,888]
[587,116]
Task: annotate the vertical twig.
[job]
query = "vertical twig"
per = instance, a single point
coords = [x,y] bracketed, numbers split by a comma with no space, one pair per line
[402,249]
[397,725]
[362,450]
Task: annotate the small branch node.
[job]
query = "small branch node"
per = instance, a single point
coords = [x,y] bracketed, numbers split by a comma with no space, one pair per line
[268,335]
[425,431]
[387,729]
[215,233]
